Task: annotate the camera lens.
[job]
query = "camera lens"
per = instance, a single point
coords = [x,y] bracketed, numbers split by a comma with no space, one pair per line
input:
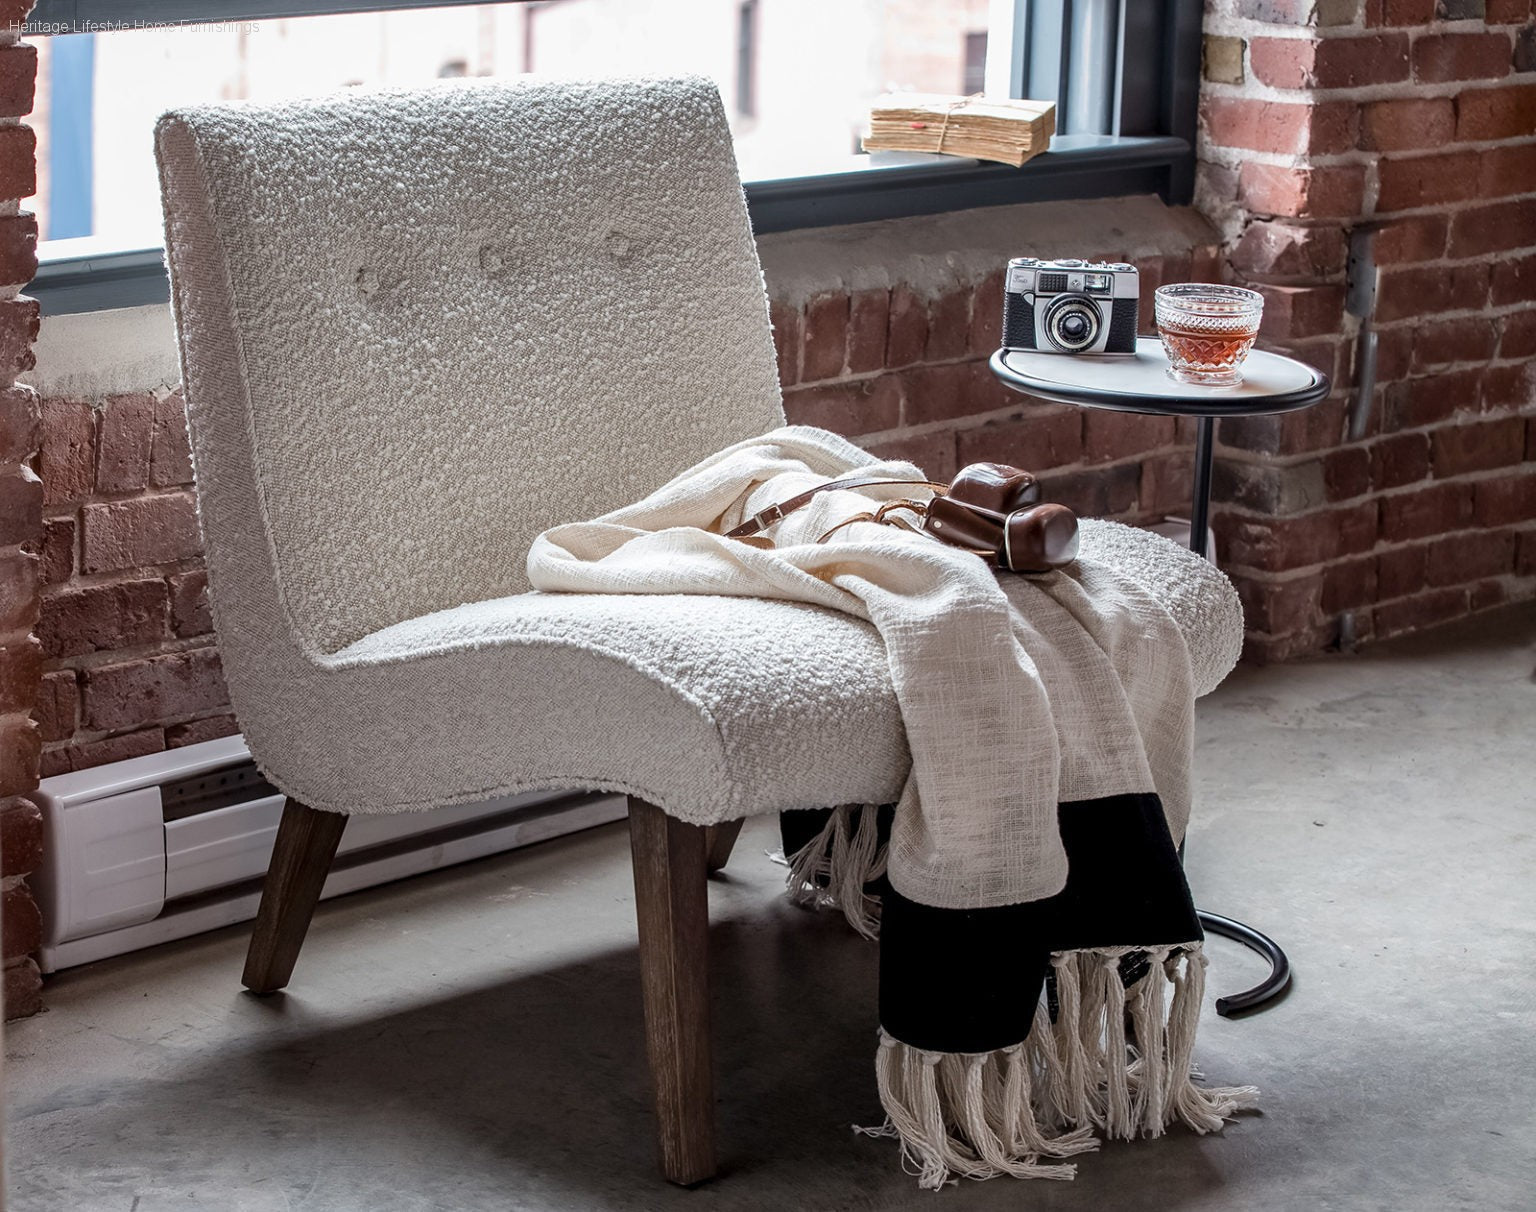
[1072,323]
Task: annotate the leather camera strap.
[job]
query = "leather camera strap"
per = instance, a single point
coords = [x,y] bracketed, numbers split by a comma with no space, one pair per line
[767,517]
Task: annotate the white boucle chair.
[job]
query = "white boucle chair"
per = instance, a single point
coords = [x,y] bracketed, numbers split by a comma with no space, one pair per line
[418,328]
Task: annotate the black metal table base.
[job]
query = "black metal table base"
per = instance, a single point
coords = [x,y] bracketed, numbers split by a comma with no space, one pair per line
[1279,966]
[1267,990]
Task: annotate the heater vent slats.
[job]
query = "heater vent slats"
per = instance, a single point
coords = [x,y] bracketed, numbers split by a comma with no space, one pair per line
[196,794]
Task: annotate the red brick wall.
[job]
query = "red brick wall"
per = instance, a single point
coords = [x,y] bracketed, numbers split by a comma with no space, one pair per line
[130,663]
[21,526]
[905,374]
[1417,119]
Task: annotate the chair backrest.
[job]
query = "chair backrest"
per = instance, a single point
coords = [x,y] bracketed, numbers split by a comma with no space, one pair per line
[419,327]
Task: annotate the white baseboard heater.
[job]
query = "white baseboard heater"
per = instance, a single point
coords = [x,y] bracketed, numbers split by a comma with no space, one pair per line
[160,847]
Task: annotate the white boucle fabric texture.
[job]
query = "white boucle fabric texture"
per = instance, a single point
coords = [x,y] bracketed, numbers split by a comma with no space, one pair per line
[461,314]
[419,328]
[1015,693]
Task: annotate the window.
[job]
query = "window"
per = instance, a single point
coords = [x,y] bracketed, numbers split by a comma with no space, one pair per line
[799,76]
[70,160]
[974,77]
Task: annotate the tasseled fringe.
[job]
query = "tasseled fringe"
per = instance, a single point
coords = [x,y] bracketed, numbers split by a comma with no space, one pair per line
[1136,1083]
[967,1115]
[1103,1058]
[1201,1110]
[832,869]
[1115,1062]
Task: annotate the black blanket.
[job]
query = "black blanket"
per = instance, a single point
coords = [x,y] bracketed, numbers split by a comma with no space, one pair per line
[1023,1032]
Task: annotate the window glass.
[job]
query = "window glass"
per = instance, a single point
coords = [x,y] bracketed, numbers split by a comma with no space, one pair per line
[797,77]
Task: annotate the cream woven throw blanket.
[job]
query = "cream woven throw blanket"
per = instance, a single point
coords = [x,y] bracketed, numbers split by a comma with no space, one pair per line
[1041,972]
[1017,693]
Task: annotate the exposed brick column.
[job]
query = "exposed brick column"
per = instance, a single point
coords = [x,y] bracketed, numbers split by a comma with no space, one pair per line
[130,667]
[1417,119]
[21,523]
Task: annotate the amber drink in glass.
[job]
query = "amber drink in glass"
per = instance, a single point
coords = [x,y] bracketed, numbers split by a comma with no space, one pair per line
[1207,330]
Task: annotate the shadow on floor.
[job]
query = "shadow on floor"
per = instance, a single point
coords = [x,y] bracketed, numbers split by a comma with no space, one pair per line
[532,1094]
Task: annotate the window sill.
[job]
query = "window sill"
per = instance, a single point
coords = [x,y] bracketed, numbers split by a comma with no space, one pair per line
[80,275]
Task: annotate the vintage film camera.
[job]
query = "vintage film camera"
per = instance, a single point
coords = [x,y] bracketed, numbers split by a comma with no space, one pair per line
[1070,306]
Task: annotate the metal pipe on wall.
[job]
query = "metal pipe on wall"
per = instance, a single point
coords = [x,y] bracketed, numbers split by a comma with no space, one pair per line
[1360,301]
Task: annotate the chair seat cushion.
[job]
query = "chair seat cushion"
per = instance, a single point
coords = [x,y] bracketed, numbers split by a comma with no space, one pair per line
[773,703]
[711,707]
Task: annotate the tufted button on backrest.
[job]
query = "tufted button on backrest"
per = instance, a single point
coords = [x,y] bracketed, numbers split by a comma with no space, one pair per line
[494,260]
[456,316]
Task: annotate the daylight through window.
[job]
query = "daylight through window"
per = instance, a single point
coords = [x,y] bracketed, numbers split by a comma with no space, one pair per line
[797,102]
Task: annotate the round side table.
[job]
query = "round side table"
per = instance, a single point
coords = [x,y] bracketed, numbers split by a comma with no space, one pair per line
[1140,383]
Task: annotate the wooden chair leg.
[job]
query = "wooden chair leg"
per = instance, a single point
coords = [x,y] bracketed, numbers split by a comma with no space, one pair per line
[301,859]
[721,841]
[672,907]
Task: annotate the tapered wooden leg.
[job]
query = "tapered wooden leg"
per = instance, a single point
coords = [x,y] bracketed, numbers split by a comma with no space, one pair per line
[672,906]
[721,841]
[301,859]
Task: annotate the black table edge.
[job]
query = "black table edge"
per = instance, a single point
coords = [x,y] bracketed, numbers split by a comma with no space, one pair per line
[1087,397]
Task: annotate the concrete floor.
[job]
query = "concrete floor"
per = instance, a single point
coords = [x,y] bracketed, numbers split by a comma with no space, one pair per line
[471,1040]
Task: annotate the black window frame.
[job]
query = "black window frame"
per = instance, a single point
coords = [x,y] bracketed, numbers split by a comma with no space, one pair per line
[1155,98]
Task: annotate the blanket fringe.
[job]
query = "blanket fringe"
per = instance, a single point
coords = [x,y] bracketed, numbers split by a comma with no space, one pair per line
[1114,1062]
[831,871]
[1105,1059]
[967,1115]
[1202,1109]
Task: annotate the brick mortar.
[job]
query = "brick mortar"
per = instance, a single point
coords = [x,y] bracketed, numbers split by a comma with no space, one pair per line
[1491,311]
[1253,89]
[106,496]
[139,572]
[1525,591]
[1227,156]
[1239,454]
[1259,576]
[83,661]
[1455,313]
[1231,23]
[85,736]
[1247,513]
[1467,588]
[1379,547]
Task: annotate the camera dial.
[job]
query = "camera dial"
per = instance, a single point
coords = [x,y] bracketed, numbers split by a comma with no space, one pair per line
[1072,323]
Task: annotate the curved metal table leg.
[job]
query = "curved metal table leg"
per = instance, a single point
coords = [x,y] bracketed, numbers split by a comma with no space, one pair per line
[1279,967]
[1267,990]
